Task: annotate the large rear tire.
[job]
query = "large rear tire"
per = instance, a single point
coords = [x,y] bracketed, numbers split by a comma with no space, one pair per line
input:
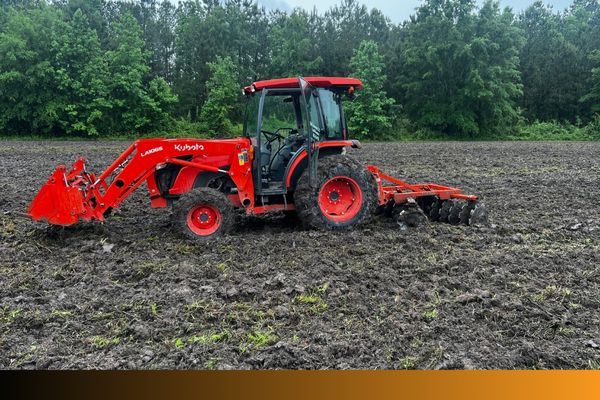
[344,196]
[203,214]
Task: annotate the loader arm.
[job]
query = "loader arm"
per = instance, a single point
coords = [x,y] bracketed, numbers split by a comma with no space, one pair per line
[69,196]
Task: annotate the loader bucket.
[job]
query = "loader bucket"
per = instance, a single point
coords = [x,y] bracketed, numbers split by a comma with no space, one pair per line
[57,202]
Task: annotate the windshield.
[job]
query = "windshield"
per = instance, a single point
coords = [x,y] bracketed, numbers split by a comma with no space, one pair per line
[279,111]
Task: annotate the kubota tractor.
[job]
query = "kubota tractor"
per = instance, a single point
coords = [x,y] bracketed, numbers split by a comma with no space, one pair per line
[291,158]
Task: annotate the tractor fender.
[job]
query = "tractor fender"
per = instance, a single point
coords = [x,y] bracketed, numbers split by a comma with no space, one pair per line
[204,177]
[189,178]
[298,162]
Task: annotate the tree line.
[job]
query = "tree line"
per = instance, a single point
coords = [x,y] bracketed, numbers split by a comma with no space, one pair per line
[111,67]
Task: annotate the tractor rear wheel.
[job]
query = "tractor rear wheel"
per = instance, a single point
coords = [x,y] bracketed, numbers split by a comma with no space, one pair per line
[344,195]
[203,214]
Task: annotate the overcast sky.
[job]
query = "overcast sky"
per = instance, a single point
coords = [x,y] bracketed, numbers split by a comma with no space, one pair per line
[397,11]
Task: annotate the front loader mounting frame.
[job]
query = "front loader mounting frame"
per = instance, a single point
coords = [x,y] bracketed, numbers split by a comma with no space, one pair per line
[74,194]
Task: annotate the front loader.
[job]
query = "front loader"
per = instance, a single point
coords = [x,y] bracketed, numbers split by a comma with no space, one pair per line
[291,158]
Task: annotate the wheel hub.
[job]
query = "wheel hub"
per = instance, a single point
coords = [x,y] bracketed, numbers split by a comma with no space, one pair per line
[340,199]
[204,219]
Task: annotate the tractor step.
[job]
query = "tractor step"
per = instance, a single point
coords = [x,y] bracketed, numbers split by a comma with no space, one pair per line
[274,188]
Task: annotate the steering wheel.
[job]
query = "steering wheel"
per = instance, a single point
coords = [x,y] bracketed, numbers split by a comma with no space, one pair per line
[271,136]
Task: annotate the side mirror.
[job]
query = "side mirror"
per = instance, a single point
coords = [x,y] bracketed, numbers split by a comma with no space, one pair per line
[351,93]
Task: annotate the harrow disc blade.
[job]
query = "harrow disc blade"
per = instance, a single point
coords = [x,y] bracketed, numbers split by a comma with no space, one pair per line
[479,215]
[455,211]
[412,218]
[445,210]
[434,211]
[465,213]
[411,215]
[388,208]
[425,203]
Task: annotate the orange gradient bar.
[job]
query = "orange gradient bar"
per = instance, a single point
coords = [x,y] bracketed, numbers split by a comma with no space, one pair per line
[291,385]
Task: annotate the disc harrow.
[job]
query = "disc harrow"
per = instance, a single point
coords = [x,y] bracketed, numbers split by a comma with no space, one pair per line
[413,204]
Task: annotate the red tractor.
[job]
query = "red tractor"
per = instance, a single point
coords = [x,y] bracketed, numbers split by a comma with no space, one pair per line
[291,158]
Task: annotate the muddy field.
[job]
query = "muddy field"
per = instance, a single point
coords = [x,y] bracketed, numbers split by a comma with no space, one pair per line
[522,293]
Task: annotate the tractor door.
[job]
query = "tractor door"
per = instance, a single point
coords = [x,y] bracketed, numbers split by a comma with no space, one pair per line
[313,126]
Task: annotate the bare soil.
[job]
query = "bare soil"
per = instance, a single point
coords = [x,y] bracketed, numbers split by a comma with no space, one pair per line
[129,293]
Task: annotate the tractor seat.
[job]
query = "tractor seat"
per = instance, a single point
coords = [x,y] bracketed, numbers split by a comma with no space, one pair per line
[280,161]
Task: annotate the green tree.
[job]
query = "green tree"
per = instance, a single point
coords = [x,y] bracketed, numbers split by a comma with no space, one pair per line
[367,114]
[343,28]
[293,44]
[28,80]
[494,87]
[459,71]
[222,98]
[548,66]
[593,96]
[202,34]
[82,73]
[164,48]
[582,28]
[136,106]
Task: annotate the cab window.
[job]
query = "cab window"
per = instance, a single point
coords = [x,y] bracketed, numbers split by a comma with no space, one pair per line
[331,105]
[251,120]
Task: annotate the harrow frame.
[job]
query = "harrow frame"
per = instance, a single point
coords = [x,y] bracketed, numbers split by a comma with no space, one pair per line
[401,190]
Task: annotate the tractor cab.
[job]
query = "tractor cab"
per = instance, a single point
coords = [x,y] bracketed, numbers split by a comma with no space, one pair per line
[288,120]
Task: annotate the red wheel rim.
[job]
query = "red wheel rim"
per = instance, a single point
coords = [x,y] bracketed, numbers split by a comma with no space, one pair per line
[340,199]
[204,219]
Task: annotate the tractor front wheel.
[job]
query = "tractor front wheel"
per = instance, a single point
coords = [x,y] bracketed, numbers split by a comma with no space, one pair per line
[203,214]
[344,194]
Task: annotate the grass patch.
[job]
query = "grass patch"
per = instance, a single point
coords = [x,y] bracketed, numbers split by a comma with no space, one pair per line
[208,338]
[431,315]
[101,342]
[64,314]
[259,339]
[222,267]
[211,363]
[8,227]
[7,315]
[307,299]
[198,305]
[314,299]
[594,364]
[552,291]
[147,268]
[553,130]
[179,343]
[204,339]
[184,248]
[408,363]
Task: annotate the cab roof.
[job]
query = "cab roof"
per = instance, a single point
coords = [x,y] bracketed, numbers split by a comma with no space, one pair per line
[316,81]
